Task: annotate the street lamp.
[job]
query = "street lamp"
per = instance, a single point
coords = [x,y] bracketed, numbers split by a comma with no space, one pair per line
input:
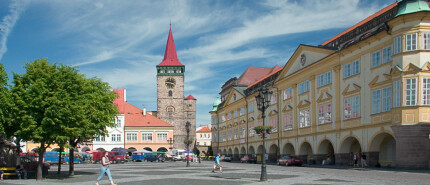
[188,127]
[263,102]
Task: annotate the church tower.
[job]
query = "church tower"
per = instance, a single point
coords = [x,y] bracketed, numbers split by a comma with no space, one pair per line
[170,94]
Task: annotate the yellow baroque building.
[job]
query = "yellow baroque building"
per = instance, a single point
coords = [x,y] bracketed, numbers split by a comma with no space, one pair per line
[366,90]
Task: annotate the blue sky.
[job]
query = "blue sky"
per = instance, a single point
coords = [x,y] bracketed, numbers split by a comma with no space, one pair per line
[122,41]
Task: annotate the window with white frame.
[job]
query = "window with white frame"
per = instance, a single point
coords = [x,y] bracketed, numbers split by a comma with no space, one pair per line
[411,91]
[113,137]
[236,133]
[288,121]
[242,111]
[161,137]
[376,58]
[204,143]
[351,69]
[118,137]
[209,135]
[324,79]
[251,131]
[411,42]
[396,93]
[397,44]
[426,91]
[242,132]
[288,93]
[426,40]
[146,136]
[387,54]
[381,100]
[324,113]
[118,122]
[102,138]
[352,107]
[131,136]
[274,123]
[304,87]
[274,99]
[250,108]
[304,118]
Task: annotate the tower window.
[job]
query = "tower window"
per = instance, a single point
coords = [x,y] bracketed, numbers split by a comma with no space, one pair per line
[170,93]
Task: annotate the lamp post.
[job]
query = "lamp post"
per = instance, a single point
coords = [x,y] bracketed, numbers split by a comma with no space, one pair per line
[263,102]
[188,127]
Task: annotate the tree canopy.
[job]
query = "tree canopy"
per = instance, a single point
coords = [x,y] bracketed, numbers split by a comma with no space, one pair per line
[56,104]
[3,99]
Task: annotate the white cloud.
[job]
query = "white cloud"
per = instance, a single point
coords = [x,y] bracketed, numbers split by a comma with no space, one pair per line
[8,22]
[210,37]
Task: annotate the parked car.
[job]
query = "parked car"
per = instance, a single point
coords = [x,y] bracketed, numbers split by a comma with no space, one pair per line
[151,158]
[176,158]
[249,159]
[227,158]
[288,160]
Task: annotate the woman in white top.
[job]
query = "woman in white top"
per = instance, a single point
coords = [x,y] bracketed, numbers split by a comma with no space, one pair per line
[105,168]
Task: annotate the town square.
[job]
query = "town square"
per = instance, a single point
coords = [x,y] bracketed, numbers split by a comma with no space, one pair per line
[215,92]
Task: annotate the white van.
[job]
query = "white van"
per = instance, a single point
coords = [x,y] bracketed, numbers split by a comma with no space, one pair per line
[178,154]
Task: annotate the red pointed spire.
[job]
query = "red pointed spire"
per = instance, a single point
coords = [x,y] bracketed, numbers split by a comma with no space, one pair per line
[170,57]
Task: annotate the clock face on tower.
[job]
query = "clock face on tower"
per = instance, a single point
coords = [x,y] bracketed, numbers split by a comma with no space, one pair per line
[170,83]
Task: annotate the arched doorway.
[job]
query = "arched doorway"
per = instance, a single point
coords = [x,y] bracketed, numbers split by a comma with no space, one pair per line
[162,149]
[260,153]
[131,150]
[236,154]
[382,150]
[225,152]
[242,152]
[251,150]
[230,152]
[325,152]
[289,150]
[348,148]
[305,153]
[273,153]
[147,148]
[101,149]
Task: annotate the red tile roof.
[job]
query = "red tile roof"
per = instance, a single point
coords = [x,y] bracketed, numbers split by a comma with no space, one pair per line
[253,74]
[134,118]
[170,56]
[204,129]
[362,22]
[190,97]
[120,100]
[270,74]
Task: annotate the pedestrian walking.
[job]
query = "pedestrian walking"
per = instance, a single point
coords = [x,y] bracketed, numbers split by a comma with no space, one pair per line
[21,172]
[217,163]
[363,160]
[105,169]
[1,175]
[356,157]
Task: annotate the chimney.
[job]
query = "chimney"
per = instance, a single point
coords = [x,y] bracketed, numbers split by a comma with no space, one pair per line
[144,111]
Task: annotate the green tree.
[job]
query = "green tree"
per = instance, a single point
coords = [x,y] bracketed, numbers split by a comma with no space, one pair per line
[55,104]
[4,99]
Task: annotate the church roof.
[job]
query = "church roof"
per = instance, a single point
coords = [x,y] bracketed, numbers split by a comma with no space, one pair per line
[170,56]
[134,118]
[120,100]
[190,97]
[253,74]
[204,129]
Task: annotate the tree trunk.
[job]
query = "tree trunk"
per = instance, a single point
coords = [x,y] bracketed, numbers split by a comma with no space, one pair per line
[40,166]
[72,157]
[59,159]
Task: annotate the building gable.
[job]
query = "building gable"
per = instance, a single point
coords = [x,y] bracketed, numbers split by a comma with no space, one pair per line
[231,97]
[304,56]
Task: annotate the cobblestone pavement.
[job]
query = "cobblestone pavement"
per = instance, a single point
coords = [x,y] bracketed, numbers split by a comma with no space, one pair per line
[175,173]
